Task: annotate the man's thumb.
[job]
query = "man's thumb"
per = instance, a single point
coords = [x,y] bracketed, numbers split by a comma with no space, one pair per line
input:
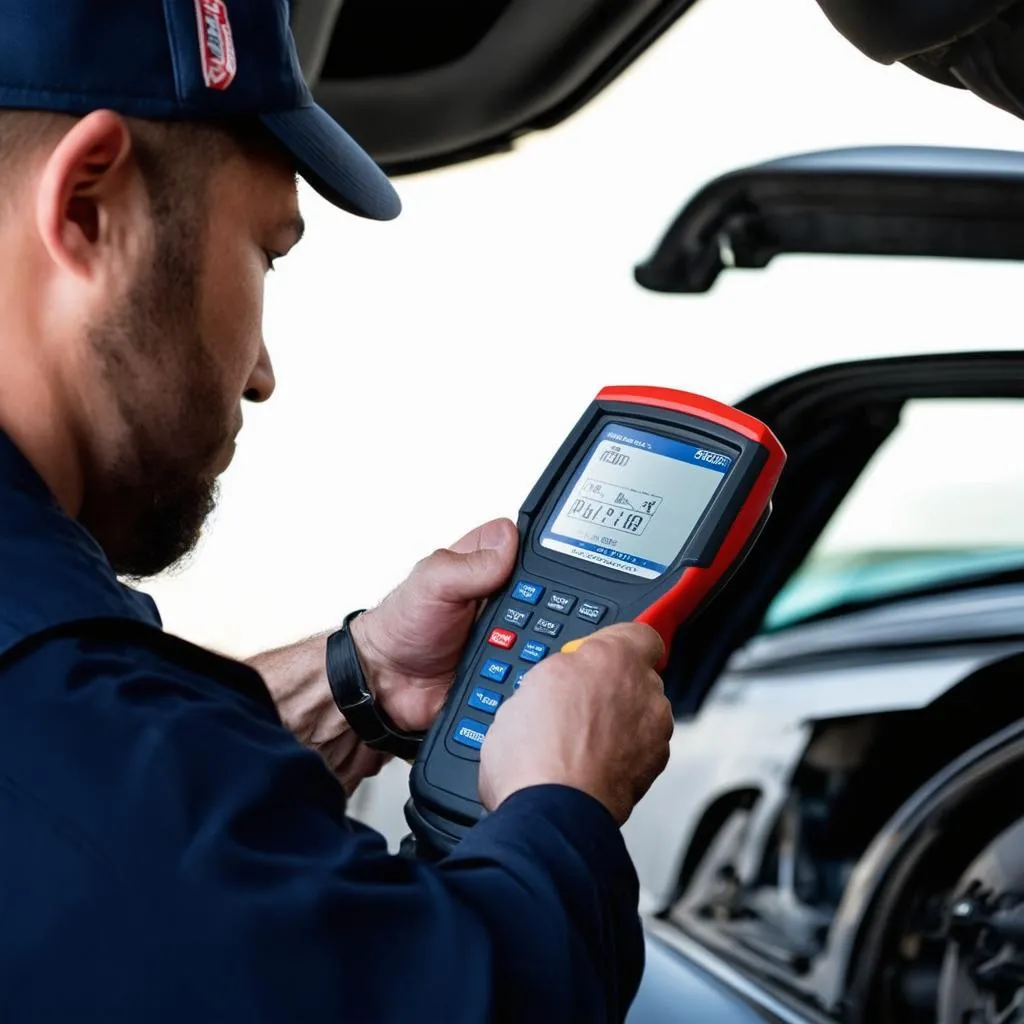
[475,565]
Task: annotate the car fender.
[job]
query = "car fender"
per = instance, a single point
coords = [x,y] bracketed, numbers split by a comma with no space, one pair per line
[751,734]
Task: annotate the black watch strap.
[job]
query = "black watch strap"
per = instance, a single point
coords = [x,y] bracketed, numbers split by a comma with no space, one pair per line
[356,703]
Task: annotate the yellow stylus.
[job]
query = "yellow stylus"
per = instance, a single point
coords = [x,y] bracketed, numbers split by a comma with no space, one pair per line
[574,645]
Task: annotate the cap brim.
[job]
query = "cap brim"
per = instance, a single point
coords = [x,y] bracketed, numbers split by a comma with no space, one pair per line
[334,163]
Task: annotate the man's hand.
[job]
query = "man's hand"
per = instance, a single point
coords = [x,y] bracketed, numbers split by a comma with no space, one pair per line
[596,720]
[409,647]
[411,643]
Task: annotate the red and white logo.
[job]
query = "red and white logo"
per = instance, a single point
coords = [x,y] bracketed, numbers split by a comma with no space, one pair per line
[216,47]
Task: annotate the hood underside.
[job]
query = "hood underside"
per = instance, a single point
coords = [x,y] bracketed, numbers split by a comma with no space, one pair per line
[426,85]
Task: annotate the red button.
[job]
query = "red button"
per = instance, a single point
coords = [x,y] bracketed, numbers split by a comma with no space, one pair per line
[503,638]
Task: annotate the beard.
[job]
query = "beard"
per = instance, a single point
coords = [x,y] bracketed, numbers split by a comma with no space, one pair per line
[148,496]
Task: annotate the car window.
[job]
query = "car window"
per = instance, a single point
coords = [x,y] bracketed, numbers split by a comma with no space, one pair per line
[941,503]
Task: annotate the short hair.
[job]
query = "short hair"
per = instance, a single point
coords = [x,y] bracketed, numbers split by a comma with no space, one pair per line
[175,158]
[24,132]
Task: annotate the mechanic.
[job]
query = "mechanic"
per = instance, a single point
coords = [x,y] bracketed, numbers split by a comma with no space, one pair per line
[175,840]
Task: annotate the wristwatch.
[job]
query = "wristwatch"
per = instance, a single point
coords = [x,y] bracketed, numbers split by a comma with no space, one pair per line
[355,701]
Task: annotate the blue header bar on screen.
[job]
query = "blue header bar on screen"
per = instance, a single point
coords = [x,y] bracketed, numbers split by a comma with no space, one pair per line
[673,449]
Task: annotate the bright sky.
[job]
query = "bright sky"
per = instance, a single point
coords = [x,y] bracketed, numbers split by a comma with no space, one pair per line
[950,477]
[427,369]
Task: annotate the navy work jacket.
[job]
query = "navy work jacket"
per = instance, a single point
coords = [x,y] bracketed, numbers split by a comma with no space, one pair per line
[169,852]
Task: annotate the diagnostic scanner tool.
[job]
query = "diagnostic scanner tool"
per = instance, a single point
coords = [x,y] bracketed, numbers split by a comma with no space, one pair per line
[651,502]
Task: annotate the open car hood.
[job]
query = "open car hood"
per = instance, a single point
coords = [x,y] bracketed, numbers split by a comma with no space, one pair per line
[881,201]
[422,85]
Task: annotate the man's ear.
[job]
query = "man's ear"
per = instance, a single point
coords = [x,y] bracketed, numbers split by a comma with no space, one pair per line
[83,182]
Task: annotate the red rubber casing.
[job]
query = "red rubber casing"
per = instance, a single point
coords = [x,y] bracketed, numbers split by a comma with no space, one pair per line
[674,607]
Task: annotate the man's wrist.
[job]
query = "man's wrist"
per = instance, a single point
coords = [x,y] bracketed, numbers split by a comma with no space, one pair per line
[294,675]
[361,705]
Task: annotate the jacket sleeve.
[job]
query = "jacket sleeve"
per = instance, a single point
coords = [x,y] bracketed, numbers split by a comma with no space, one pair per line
[265,903]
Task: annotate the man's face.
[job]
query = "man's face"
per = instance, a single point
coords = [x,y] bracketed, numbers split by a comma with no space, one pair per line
[179,351]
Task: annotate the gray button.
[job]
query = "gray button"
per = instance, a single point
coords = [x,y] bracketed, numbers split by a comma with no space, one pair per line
[517,617]
[561,603]
[547,627]
[591,611]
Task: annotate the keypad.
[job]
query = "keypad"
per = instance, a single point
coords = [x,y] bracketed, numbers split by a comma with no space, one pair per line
[591,611]
[564,615]
[548,627]
[470,733]
[519,617]
[527,592]
[533,650]
[561,603]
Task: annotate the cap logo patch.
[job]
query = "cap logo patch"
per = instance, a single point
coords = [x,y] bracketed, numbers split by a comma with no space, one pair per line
[216,47]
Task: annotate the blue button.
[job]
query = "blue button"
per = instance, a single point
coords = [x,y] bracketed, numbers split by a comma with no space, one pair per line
[527,592]
[470,733]
[485,700]
[517,617]
[496,671]
[533,650]
[519,678]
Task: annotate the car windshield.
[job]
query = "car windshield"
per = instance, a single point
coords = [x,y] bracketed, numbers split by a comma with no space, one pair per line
[940,505]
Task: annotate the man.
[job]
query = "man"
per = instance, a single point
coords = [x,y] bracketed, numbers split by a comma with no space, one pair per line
[170,850]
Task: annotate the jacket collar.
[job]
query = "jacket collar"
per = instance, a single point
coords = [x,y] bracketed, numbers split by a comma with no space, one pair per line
[52,571]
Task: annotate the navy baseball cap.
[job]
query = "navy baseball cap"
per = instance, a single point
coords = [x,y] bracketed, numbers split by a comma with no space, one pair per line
[197,60]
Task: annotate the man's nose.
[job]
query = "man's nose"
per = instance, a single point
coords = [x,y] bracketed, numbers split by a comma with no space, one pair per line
[261,381]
